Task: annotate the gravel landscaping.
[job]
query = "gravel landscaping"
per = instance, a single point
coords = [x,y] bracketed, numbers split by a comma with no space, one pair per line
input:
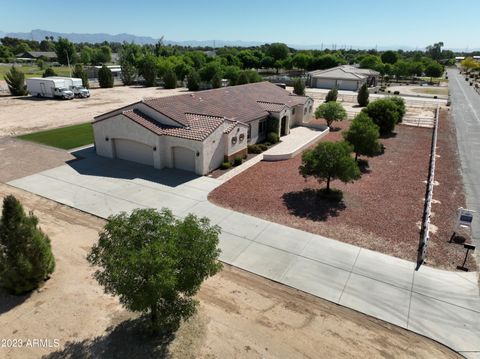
[381,211]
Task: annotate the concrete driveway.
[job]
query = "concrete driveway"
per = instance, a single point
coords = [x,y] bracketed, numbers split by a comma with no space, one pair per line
[441,305]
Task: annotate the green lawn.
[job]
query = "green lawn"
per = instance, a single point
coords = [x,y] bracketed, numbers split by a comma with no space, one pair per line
[64,137]
[34,71]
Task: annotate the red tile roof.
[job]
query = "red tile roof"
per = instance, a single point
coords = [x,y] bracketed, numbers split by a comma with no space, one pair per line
[271,106]
[198,127]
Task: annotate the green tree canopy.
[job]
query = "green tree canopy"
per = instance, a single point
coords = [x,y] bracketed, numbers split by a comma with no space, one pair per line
[26,257]
[155,263]
[434,69]
[170,79]
[332,95]
[80,73]
[384,113]
[329,161]
[389,57]
[16,82]
[105,77]
[331,111]
[148,69]
[216,81]
[193,80]
[363,94]
[363,136]
[242,78]
[299,87]
[66,51]
[278,51]
[49,72]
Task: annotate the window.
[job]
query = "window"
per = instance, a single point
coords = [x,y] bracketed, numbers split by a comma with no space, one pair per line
[262,127]
[241,137]
[249,133]
[293,111]
[234,140]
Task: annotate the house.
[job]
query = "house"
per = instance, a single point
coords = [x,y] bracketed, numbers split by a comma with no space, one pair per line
[198,131]
[344,77]
[34,55]
[92,71]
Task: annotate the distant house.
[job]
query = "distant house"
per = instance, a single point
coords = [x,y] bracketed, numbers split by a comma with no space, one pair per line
[459,58]
[92,71]
[198,131]
[344,77]
[35,55]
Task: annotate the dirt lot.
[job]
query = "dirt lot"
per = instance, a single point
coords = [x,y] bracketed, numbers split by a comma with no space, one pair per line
[28,114]
[241,315]
[381,211]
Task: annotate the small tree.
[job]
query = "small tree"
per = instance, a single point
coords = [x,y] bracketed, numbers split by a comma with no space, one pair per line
[26,257]
[363,95]
[148,69]
[156,263]
[80,73]
[170,79]
[216,81]
[299,87]
[331,111]
[384,113]
[105,78]
[434,70]
[401,108]
[329,161]
[242,78]
[332,95]
[16,82]
[363,136]
[193,80]
[49,72]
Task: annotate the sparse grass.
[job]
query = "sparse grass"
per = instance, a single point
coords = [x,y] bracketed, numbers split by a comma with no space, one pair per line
[64,137]
[34,71]
[431,91]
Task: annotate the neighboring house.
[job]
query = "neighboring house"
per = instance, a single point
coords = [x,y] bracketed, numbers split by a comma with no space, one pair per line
[34,55]
[92,71]
[344,77]
[198,131]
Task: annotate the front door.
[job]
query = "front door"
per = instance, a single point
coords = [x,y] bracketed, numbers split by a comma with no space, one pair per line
[283,126]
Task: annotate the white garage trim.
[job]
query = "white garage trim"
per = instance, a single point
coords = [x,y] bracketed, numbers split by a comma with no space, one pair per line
[133,151]
[183,158]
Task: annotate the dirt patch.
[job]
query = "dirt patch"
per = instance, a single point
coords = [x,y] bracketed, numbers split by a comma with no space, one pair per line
[380,211]
[28,114]
[240,315]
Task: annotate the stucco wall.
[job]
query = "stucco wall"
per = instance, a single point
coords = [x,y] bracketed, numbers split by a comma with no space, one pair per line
[237,131]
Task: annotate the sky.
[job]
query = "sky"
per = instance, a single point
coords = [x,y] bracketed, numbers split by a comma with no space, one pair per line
[365,23]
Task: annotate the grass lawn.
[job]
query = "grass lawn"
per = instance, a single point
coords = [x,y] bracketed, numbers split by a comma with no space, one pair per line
[64,137]
[431,91]
[34,71]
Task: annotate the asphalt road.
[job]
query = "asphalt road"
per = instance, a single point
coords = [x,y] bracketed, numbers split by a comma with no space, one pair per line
[466,114]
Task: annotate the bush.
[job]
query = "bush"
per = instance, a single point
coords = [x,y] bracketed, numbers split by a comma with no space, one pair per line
[105,77]
[225,165]
[49,72]
[26,257]
[401,108]
[16,82]
[272,137]
[332,95]
[362,97]
[396,92]
[255,149]
[273,124]
[170,79]
[264,146]
[237,161]
[299,87]
[216,81]
[193,81]
[80,73]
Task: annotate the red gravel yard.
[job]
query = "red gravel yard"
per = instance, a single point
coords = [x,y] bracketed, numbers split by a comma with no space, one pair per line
[381,211]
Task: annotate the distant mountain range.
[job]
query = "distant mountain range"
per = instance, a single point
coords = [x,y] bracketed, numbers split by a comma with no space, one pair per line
[39,35]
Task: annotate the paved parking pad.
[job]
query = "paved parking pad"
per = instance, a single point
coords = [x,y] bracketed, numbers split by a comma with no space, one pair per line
[442,305]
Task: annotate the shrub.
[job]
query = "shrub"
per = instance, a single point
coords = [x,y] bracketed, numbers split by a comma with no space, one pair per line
[216,81]
[170,79]
[242,78]
[362,97]
[396,92]
[256,149]
[105,78]
[273,124]
[332,95]
[263,146]
[49,72]
[16,82]
[272,137]
[225,165]
[384,113]
[26,257]
[193,81]
[237,161]
[401,108]
[299,87]
[80,73]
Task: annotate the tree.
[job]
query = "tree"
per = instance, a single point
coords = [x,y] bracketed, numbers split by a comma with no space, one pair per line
[278,51]
[170,79]
[332,95]
[231,73]
[216,81]
[370,62]
[467,65]
[193,80]
[363,136]
[242,78]
[105,78]
[129,56]
[26,257]
[389,57]
[299,87]
[384,113]
[49,72]
[148,69]
[16,82]
[435,51]
[331,111]
[401,108]
[86,55]
[302,60]
[434,70]
[156,263]
[80,73]
[66,52]
[329,161]
[363,94]
[209,70]
[102,55]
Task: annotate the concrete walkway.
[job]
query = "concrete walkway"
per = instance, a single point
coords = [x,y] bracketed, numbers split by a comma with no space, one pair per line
[442,305]
[298,139]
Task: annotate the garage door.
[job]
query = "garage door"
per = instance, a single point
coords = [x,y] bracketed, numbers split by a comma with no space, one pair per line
[325,83]
[133,151]
[183,159]
[348,85]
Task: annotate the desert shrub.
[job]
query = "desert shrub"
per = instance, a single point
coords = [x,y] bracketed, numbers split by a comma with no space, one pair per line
[272,137]
[264,146]
[254,149]
[237,161]
[396,92]
[16,82]
[49,72]
[332,95]
[225,165]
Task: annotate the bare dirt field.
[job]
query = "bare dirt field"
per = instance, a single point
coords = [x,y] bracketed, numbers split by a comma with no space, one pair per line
[240,315]
[28,114]
[381,211]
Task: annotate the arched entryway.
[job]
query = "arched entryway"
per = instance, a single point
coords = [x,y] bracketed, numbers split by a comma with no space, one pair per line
[283,126]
